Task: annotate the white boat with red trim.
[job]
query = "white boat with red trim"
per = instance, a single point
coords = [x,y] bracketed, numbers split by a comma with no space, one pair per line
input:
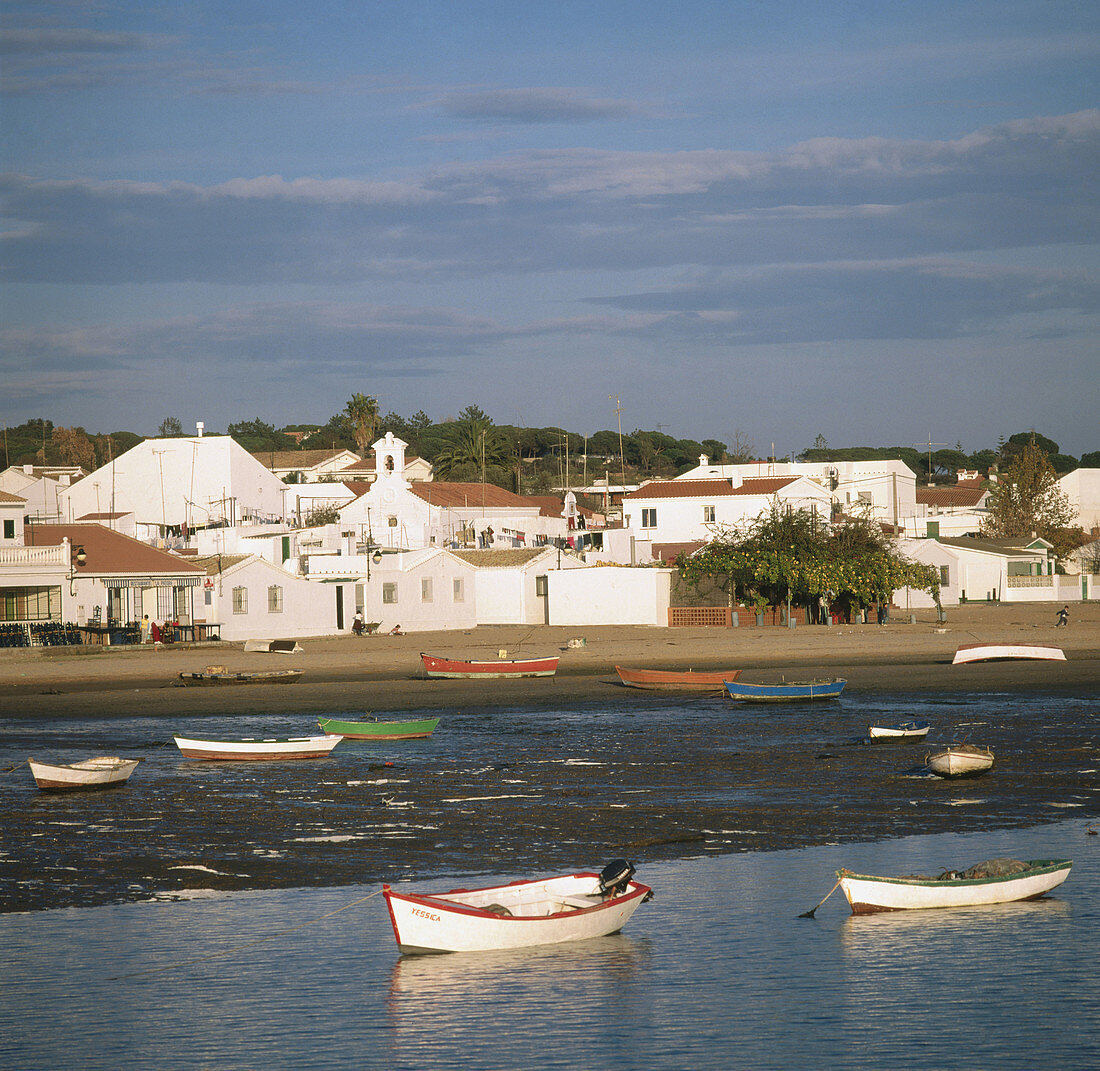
[544,911]
[252,749]
[993,652]
[462,668]
[104,771]
[902,732]
[996,881]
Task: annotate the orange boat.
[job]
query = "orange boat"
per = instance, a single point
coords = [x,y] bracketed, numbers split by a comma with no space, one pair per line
[667,680]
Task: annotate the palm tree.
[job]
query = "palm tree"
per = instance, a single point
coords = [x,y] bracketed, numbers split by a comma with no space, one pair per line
[478,444]
[362,415]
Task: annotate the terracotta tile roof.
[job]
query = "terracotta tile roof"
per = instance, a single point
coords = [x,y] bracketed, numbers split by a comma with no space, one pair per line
[553,506]
[109,552]
[961,494]
[712,488]
[499,559]
[94,518]
[466,495]
[357,487]
[296,459]
[10,498]
[212,564]
[669,552]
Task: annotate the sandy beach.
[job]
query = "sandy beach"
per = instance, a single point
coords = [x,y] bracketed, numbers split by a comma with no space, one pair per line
[370,672]
[531,775]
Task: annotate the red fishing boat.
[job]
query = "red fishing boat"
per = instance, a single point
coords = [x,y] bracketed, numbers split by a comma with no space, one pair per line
[502,667]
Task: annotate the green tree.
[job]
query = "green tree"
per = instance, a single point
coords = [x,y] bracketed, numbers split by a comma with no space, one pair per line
[362,415]
[794,555]
[256,436]
[1091,460]
[170,426]
[476,447]
[1027,498]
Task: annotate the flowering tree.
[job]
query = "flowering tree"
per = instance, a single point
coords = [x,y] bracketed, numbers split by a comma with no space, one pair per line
[794,555]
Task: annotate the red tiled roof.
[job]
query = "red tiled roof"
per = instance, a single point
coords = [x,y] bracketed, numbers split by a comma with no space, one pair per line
[713,488]
[466,495]
[669,552]
[10,498]
[107,551]
[552,506]
[961,494]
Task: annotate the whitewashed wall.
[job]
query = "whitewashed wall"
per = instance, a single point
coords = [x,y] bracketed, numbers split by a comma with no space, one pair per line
[610,596]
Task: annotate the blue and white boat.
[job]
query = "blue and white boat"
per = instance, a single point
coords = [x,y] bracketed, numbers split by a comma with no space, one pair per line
[787,692]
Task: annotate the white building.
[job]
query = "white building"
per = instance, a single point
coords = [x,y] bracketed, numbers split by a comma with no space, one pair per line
[1082,487]
[952,511]
[306,466]
[887,489]
[684,511]
[40,488]
[169,483]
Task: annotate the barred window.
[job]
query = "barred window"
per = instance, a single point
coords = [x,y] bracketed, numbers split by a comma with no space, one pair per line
[240,600]
[425,589]
[945,575]
[389,592]
[274,599]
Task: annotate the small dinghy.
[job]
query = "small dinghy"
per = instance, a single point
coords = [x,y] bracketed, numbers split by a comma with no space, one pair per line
[997,881]
[544,911]
[379,730]
[104,771]
[217,677]
[902,732]
[993,652]
[787,692]
[252,749]
[462,669]
[960,760]
[668,680]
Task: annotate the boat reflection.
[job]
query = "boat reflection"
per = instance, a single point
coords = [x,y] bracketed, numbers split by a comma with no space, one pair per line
[899,933]
[453,991]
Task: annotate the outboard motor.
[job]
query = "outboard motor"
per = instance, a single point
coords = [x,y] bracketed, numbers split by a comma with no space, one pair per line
[615,877]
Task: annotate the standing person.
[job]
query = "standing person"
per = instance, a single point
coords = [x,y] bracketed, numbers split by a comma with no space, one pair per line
[823,609]
[1063,617]
[357,623]
[146,629]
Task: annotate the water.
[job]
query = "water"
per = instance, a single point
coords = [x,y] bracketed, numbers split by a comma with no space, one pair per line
[718,971]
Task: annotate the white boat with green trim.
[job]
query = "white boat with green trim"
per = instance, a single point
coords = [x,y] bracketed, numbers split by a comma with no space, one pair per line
[996,881]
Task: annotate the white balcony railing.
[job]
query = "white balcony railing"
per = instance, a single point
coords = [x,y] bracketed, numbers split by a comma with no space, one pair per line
[56,555]
[1031,581]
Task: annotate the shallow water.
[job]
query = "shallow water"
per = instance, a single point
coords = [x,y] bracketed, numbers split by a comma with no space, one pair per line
[718,971]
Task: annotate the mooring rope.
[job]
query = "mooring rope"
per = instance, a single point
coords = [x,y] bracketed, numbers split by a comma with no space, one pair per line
[247,944]
[11,769]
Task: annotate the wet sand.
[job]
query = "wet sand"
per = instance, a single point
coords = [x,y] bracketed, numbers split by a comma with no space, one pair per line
[510,790]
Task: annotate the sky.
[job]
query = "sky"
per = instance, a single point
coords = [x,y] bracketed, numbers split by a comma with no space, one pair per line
[876,223]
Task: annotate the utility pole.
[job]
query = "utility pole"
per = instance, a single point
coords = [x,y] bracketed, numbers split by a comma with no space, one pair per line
[622,462]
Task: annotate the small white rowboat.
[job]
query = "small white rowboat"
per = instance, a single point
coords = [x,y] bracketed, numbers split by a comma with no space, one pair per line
[546,911]
[960,760]
[991,652]
[104,771]
[998,881]
[251,750]
[901,732]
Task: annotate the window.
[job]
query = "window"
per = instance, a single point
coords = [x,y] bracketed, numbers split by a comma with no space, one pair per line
[425,589]
[30,604]
[9,529]
[708,515]
[945,576]
[274,599]
[541,585]
[240,600]
[649,518]
[459,593]
[389,593]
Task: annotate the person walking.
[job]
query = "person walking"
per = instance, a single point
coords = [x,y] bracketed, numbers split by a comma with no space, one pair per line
[1063,617]
[146,629]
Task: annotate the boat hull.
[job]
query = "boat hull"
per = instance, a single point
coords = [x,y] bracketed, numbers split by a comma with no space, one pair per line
[379,730]
[284,676]
[459,669]
[87,776]
[306,747]
[457,921]
[663,680]
[963,761]
[906,732]
[795,692]
[868,894]
[993,652]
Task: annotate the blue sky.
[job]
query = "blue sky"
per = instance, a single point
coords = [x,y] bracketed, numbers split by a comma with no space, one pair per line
[874,222]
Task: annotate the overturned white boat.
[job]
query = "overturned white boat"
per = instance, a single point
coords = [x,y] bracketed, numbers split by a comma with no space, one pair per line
[573,907]
[993,652]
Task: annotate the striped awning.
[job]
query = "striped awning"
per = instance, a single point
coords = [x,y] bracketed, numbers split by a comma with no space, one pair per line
[152,581]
